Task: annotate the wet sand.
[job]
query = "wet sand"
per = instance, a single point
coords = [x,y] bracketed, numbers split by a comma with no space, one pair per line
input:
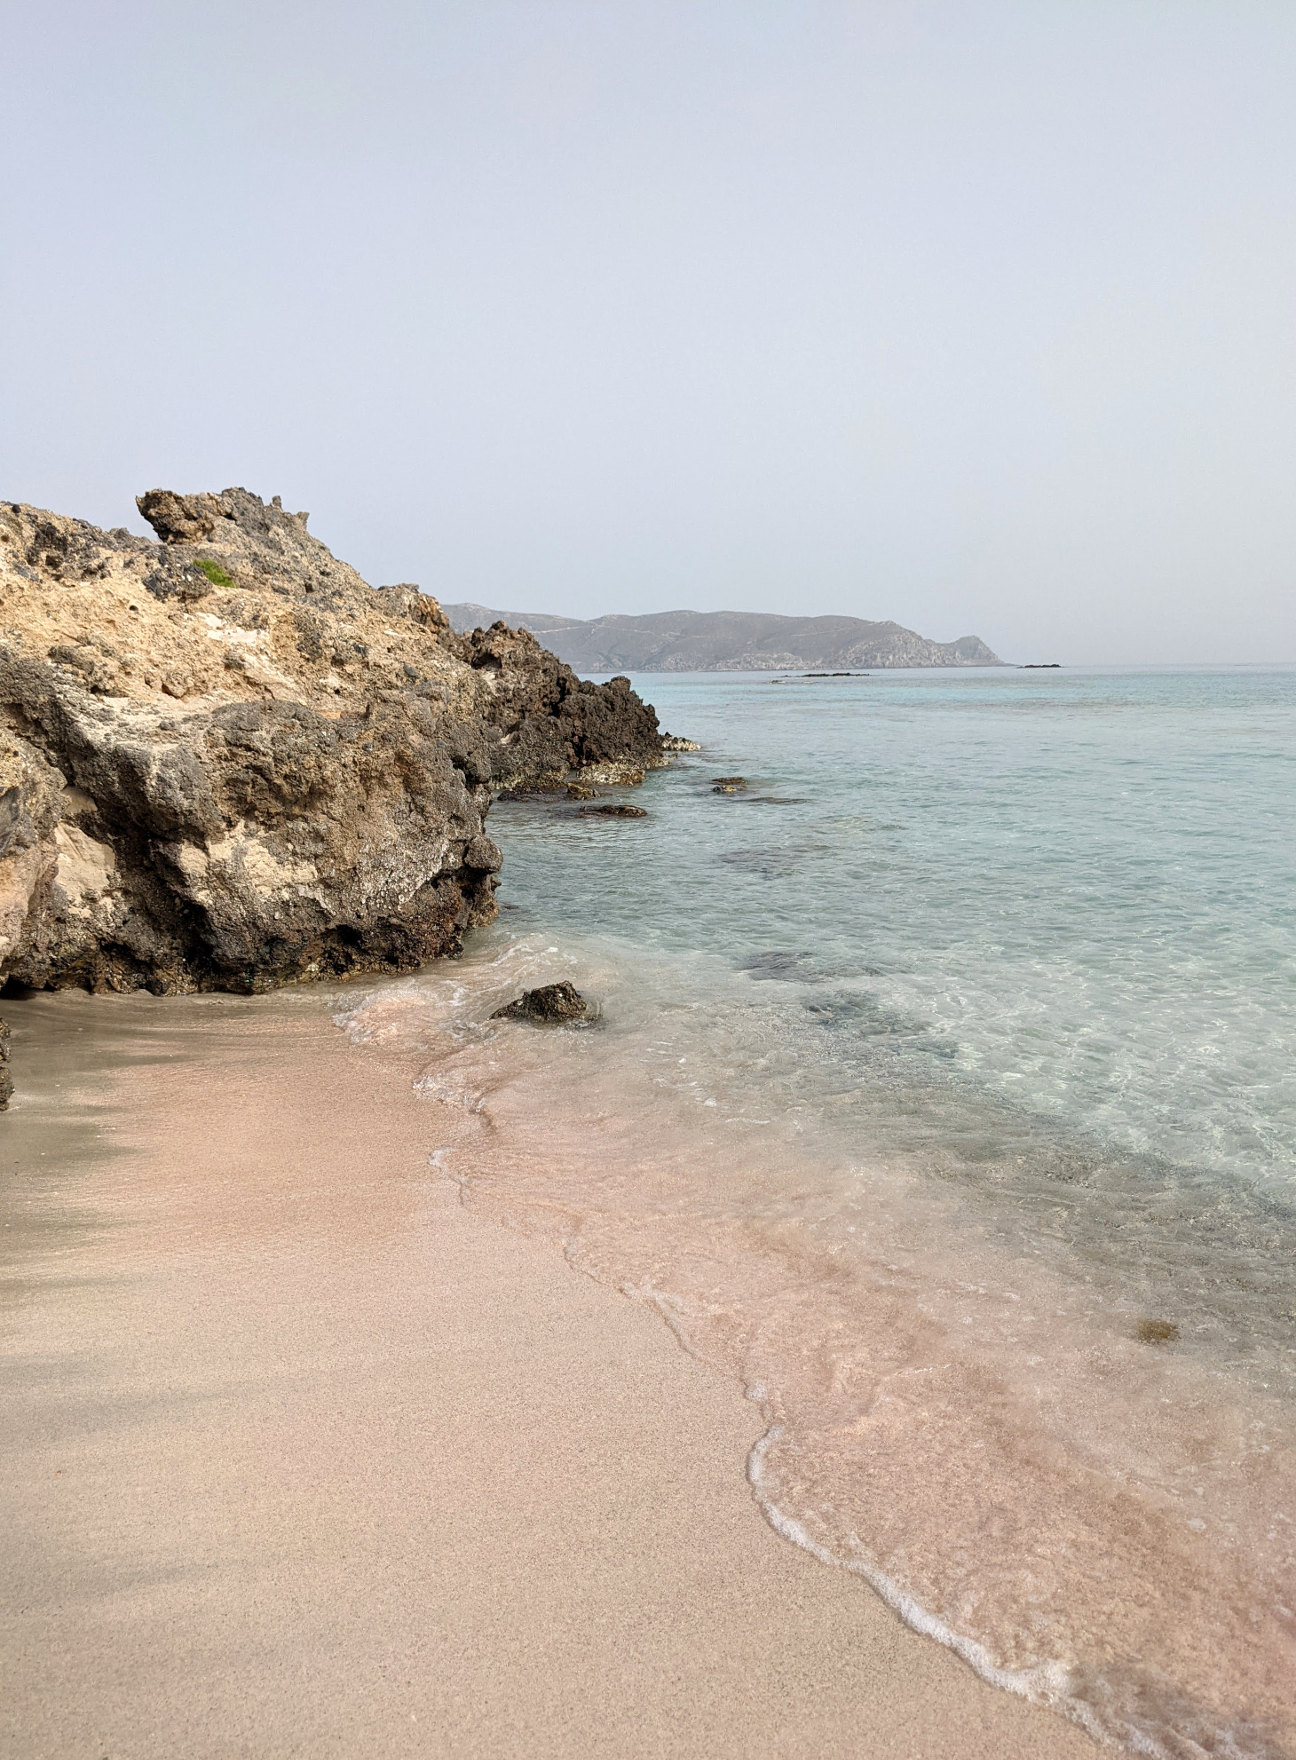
[299,1457]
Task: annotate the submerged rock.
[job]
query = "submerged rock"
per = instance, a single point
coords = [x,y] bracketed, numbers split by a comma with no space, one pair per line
[728,784]
[227,762]
[784,965]
[613,810]
[551,1002]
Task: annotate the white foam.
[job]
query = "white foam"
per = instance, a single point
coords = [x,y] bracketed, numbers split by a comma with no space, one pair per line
[1047,1683]
[600,1142]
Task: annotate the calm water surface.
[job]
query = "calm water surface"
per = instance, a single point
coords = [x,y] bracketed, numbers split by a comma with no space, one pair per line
[945,1092]
[1075,890]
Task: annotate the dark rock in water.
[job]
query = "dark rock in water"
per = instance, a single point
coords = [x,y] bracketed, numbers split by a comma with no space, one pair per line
[543,790]
[551,1002]
[785,966]
[576,791]
[6,1080]
[728,784]
[614,810]
[227,762]
[770,864]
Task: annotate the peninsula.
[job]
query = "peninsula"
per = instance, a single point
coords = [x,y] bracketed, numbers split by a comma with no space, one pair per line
[727,641]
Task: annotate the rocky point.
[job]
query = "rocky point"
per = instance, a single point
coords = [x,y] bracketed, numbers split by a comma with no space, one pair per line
[227,762]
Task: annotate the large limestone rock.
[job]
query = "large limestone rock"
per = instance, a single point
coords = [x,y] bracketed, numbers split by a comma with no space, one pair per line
[226,762]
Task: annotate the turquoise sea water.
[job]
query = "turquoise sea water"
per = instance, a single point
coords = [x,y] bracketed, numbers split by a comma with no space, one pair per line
[1075,890]
[944,1091]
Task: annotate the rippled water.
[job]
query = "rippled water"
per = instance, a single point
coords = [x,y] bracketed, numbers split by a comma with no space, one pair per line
[944,1091]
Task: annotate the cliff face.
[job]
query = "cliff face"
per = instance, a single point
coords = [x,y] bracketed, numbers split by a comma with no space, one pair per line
[730,641]
[226,762]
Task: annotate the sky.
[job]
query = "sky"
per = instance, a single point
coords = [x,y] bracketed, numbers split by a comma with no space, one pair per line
[975,314]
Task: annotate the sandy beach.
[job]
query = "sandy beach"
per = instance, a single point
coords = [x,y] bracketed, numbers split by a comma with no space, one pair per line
[302,1458]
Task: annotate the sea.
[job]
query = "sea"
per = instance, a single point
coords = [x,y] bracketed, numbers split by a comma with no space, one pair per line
[941,1088]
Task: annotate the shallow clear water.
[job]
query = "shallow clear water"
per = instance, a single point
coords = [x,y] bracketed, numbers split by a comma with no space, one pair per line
[1077,890]
[944,1076]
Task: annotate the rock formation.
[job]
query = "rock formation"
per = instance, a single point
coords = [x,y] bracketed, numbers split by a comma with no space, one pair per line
[551,1002]
[226,762]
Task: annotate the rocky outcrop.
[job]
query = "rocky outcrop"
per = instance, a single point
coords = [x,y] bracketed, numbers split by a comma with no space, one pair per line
[227,762]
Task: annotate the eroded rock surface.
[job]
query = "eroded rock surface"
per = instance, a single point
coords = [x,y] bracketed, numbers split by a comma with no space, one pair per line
[550,1002]
[227,762]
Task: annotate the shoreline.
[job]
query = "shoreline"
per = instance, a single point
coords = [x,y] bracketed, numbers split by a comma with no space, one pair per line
[308,1457]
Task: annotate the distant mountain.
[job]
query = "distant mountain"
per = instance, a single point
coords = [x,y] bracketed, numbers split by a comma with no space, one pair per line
[727,641]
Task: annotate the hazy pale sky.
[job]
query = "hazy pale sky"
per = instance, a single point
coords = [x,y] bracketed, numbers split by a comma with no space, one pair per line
[978,314]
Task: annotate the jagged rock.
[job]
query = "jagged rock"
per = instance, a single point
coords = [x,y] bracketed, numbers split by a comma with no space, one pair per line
[183,518]
[31,807]
[227,762]
[553,722]
[674,742]
[614,810]
[577,791]
[551,1002]
[616,774]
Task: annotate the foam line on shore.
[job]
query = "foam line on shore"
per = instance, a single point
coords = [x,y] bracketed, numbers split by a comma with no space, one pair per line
[941,1409]
[1046,1684]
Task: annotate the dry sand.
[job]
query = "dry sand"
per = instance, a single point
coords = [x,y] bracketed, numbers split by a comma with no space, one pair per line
[299,1457]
